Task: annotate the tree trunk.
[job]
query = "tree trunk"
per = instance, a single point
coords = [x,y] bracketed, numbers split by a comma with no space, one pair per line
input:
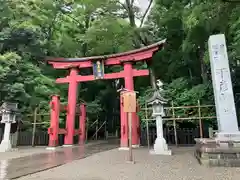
[202,64]
[131,16]
[152,78]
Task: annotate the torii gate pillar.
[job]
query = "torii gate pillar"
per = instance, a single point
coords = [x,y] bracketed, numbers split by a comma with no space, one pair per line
[129,85]
[71,107]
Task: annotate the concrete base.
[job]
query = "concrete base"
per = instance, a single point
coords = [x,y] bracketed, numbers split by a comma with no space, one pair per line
[131,162]
[5,146]
[136,146]
[123,148]
[153,152]
[67,145]
[51,148]
[161,147]
[213,152]
[127,148]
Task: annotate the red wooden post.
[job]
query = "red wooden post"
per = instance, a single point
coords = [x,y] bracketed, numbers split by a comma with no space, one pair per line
[129,85]
[71,110]
[82,124]
[124,125]
[54,124]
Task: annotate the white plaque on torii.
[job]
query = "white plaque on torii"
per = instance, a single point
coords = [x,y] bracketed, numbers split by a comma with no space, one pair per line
[222,86]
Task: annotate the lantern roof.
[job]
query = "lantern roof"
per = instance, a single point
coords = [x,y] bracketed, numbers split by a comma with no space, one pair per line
[9,107]
[156,98]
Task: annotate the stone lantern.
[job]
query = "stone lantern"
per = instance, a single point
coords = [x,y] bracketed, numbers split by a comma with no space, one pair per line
[8,111]
[157,102]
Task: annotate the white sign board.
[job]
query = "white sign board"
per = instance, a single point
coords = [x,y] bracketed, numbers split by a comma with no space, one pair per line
[222,84]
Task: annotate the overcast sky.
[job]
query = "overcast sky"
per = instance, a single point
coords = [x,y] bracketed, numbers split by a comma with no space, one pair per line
[143,5]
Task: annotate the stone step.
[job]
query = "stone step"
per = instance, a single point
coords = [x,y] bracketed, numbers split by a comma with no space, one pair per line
[220,162]
[210,154]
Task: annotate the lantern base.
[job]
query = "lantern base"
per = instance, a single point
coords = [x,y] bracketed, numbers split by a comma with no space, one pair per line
[5,146]
[161,147]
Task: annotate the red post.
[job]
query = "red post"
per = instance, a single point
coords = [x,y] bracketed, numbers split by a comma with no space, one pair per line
[124,125]
[54,124]
[82,124]
[129,84]
[71,108]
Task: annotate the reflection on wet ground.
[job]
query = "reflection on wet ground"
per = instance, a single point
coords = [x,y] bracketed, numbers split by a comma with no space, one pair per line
[15,168]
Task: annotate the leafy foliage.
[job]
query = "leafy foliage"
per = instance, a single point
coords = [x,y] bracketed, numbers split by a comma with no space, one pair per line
[19,79]
[30,30]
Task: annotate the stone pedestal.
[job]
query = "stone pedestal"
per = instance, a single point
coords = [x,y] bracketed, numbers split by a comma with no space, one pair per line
[160,147]
[215,152]
[6,142]
[223,136]
[5,146]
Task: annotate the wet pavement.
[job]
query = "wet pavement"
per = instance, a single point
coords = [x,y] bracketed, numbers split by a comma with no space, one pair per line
[18,167]
[113,165]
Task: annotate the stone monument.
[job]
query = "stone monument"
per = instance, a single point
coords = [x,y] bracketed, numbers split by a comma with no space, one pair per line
[8,112]
[222,85]
[222,150]
[157,102]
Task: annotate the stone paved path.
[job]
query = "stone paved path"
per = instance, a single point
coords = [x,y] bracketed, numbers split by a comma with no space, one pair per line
[23,151]
[111,165]
[18,167]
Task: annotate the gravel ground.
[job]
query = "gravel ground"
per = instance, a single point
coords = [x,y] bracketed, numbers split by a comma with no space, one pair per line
[112,165]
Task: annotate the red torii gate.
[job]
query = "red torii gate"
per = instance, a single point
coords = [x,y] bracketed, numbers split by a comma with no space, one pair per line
[126,59]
